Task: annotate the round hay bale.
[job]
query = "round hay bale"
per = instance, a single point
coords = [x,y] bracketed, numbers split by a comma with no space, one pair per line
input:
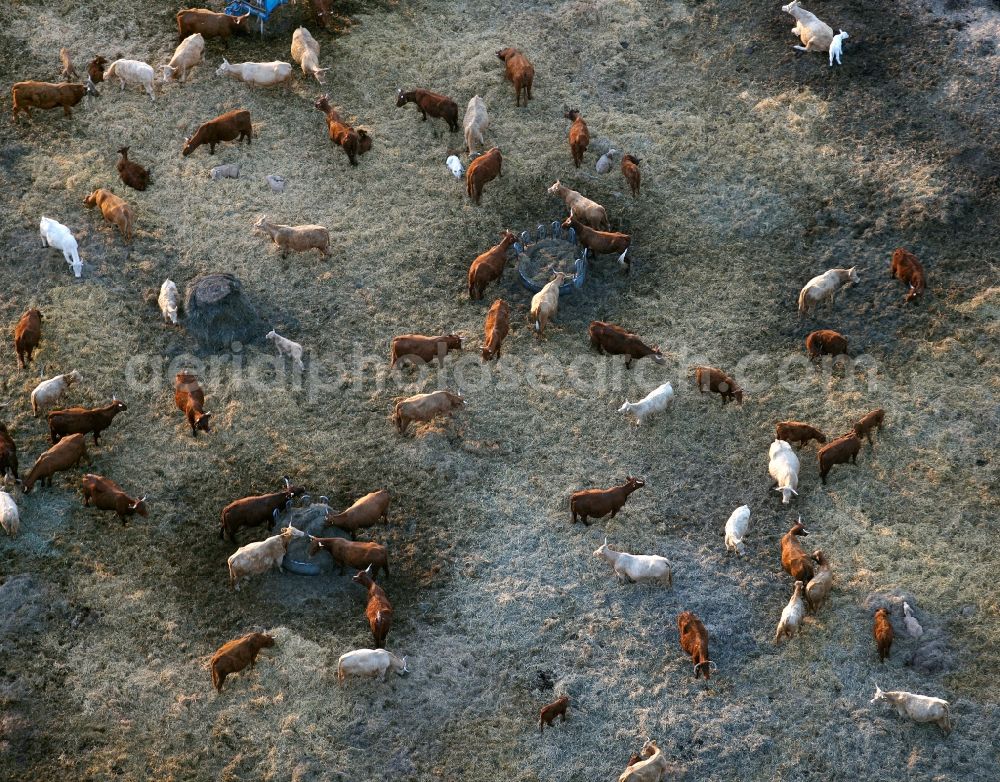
[218,313]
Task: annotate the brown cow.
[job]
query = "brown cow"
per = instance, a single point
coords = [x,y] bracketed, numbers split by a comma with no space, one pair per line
[579,136]
[348,553]
[883,633]
[601,242]
[485,168]
[826,342]
[131,173]
[489,265]
[210,24]
[794,559]
[234,656]
[115,210]
[105,494]
[694,641]
[408,347]
[497,327]
[95,70]
[905,266]
[613,339]
[365,512]
[256,510]
[341,133]
[190,400]
[80,420]
[60,457]
[519,71]
[424,407]
[797,432]
[27,335]
[718,382]
[630,170]
[378,610]
[8,454]
[430,103]
[28,95]
[597,503]
[845,448]
[869,423]
[548,714]
[225,127]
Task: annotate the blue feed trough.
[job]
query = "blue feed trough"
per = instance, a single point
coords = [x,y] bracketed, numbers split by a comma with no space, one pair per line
[260,8]
[551,250]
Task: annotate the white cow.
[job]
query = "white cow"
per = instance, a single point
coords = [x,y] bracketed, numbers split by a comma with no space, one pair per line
[825,286]
[791,615]
[605,161]
[287,348]
[919,708]
[132,72]
[656,401]
[814,33]
[837,47]
[783,467]
[257,74]
[59,236]
[913,628]
[736,529]
[260,556]
[188,53]
[168,301]
[370,662]
[10,519]
[48,392]
[637,568]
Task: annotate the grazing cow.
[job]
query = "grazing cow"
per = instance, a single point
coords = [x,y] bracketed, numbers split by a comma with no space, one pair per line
[497,327]
[190,400]
[81,420]
[68,70]
[630,170]
[476,121]
[27,335]
[489,265]
[815,34]
[424,407]
[225,127]
[168,301]
[798,432]
[188,53]
[365,512]
[348,553]
[636,568]
[794,559]
[718,382]
[581,208]
[234,656]
[597,503]
[8,454]
[409,347]
[656,401]
[55,234]
[825,286]
[883,633]
[519,71]
[260,556]
[791,615]
[134,73]
[694,641]
[348,138]
[105,494]
[905,266]
[379,609]
[919,708]
[819,586]
[483,169]
[601,242]
[210,24]
[548,714]
[825,342]
[256,510]
[430,103]
[131,173]
[28,95]
[736,529]
[545,303]
[59,458]
[305,51]
[579,136]
[845,448]
[369,662]
[616,341]
[48,392]
[783,467]
[300,238]
[115,210]
[869,424]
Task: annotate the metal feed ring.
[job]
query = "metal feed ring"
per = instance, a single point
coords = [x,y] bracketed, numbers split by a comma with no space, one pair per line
[525,250]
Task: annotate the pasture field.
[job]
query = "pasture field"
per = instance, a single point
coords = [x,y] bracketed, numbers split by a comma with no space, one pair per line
[762,167]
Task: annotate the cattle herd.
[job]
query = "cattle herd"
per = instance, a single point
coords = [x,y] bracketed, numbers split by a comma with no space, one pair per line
[810,572]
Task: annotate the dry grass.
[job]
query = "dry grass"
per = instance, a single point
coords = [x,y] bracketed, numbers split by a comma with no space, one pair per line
[761,168]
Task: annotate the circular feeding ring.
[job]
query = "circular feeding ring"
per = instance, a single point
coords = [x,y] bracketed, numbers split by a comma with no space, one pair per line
[552,250]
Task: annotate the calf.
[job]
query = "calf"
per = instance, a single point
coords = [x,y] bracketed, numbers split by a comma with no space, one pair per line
[497,327]
[59,458]
[408,347]
[630,170]
[579,136]
[95,70]
[883,633]
[870,423]
[819,586]
[234,656]
[548,714]
[489,266]
[519,71]
[340,132]
[825,342]
[131,173]
[68,70]
[694,641]
[613,339]
[210,24]
[797,432]
[115,210]
[8,454]
[28,95]
[347,553]
[286,347]
[190,400]
[233,125]
[718,382]
[597,503]
[256,510]
[430,103]
[378,610]
[27,335]
[424,407]
[48,392]
[601,242]
[105,494]
[483,169]
[365,512]
[794,559]
[905,266]
[844,448]
[80,420]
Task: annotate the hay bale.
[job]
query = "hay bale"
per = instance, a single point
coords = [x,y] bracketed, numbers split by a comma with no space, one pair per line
[218,313]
